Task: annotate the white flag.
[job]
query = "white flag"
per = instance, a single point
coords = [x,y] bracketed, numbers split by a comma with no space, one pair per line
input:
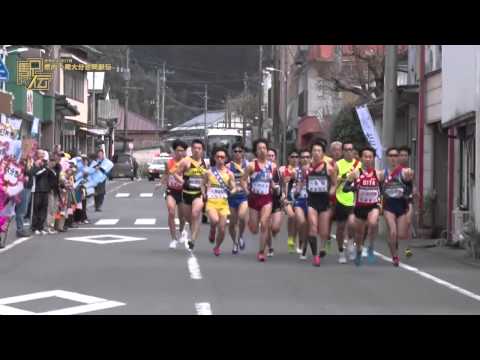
[369,129]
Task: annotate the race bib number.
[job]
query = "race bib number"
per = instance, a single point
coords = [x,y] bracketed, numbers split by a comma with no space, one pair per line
[261,188]
[317,185]
[368,196]
[216,193]
[195,183]
[394,192]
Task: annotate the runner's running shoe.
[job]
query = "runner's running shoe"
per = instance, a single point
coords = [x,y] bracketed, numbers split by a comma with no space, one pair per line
[303,257]
[396,261]
[291,246]
[173,244]
[371,255]
[299,251]
[408,252]
[316,261]
[323,253]
[216,251]
[342,259]
[271,252]
[235,249]
[351,250]
[191,245]
[242,244]
[365,252]
[260,257]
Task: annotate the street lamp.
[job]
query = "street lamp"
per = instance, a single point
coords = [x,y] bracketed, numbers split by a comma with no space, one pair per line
[284,125]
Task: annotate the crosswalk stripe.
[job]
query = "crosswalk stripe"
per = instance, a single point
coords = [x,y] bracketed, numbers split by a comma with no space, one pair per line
[146,195]
[107,222]
[145,221]
[122,195]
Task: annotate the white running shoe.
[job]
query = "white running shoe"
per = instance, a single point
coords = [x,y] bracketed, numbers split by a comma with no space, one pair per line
[37,232]
[183,237]
[303,257]
[44,232]
[365,252]
[342,259]
[352,253]
[299,251]
[173,244]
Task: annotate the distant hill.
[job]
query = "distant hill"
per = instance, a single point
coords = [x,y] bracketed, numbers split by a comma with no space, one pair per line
[221,65]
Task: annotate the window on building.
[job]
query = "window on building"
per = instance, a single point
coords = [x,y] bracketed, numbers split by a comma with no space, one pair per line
[433,58]
[74,82]
[302,109]
[466,135]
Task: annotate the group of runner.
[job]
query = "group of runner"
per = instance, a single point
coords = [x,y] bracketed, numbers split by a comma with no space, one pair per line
[313,190]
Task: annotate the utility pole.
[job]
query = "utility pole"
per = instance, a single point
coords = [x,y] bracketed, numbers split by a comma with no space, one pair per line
[285,96]
[260,91]
[205,116]
[157,101]
[245,97]
[390,96]
[164,80]
[125,122]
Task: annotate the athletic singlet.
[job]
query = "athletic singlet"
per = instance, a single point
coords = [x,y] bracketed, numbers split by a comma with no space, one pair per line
[367,188]
[238,172]
[345,167]
[260,181]
[193,177]
[300,178]
[172,182]
[217,190]
[318,182]
[285,174]
[394,187]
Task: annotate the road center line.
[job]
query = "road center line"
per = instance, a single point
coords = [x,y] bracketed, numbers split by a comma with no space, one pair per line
[194,268]
[203,308]
[433,278]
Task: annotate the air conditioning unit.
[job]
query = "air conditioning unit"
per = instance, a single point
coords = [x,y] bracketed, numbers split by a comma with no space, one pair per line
[460,220]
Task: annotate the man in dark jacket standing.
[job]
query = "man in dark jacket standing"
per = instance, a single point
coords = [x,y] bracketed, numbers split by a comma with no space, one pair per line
[21,208]
[41,188]
[100,189]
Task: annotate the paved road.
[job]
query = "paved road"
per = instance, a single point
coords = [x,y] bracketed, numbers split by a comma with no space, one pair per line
[138,274]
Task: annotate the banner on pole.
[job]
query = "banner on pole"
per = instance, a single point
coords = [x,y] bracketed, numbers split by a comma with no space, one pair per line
[369,129]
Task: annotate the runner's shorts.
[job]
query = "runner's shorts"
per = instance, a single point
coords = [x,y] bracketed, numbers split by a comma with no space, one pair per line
[176,194]
[189,198]
[257,202]
[235,201]
[398,207]
[220,205]
[302,204]
[362,212]
[342,212]
[319,202]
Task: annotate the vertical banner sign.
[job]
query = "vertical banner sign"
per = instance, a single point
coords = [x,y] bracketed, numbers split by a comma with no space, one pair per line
[35,126]
[369,129]
[29,102]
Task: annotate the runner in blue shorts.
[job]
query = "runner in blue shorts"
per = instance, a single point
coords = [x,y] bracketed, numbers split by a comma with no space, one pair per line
[300,203]
[239,201]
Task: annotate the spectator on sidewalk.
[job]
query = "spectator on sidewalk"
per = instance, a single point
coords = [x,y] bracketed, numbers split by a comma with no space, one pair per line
[25,195]
[100,189]
[40,190]
[53,197]
[81,212]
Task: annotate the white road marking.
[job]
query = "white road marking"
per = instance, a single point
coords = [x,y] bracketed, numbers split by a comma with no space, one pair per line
[107,222]
[203,308]
[122,195]
[146,195]
[15,243]
[97,239]
[92,303]
[145,221]
[194,268]
[433,278]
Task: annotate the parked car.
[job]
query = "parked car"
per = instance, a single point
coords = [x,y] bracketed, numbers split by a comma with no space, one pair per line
[157,167]
[124,166]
